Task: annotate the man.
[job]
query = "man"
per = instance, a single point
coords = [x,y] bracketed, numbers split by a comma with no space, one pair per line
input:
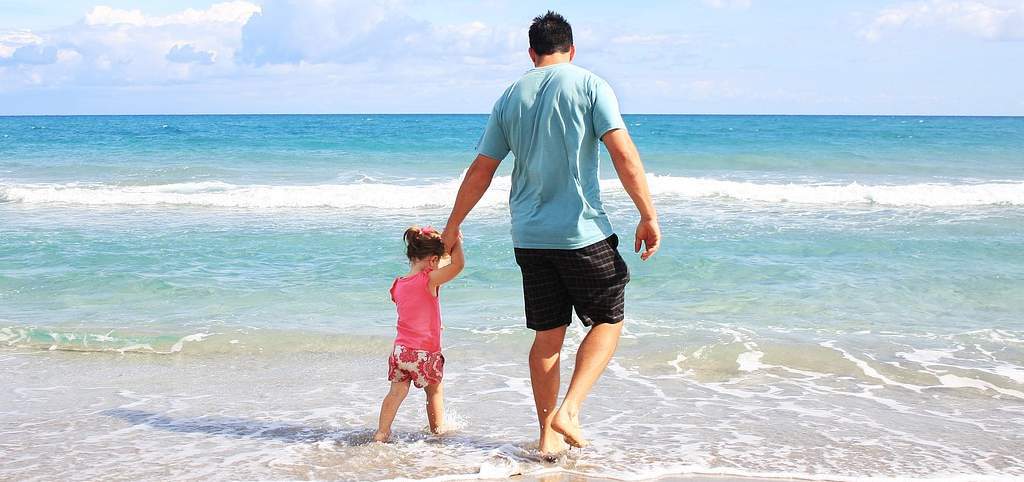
[552,119]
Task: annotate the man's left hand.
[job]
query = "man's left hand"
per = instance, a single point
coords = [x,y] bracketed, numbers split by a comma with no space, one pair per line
[648,235]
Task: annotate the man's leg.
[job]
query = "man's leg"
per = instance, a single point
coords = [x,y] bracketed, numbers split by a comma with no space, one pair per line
[544,376]
[548,313]
[591,360]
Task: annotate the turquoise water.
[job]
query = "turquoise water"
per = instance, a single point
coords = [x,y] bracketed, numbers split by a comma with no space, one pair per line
[860,279]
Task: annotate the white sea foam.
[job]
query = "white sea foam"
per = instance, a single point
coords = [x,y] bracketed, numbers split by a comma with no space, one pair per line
[926,357]
[955,381]
[14,336]
[1012,372]
[750,361]
[219,194]
[867,369]
[442,193]
[181,343]
[925,194]
[705,471]
[941,360]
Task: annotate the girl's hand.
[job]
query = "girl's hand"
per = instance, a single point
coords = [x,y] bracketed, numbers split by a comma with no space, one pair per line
[443,275]
[451,237]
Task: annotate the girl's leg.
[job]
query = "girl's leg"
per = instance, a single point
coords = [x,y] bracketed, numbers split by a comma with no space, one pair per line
[389,408]
[435,406]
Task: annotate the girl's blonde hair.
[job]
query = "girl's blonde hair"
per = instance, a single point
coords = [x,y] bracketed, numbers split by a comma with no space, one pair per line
[422,243]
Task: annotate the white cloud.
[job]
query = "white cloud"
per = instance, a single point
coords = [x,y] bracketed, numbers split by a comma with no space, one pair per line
[228,12]
[13,40]
[652,39]
[32,54]
[24,48]
[734,4]
[239,39]
[68,56]
[350,31]
[988,19]
[19,37]
[694,89]
[127,47]
[293,31]
[188,54]
[337,45]
[104,15]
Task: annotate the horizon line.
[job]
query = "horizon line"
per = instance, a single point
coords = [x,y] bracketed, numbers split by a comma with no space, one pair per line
[197,114]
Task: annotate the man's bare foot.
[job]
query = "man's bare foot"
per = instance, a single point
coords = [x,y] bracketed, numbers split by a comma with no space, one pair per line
[569,426]
[381,436]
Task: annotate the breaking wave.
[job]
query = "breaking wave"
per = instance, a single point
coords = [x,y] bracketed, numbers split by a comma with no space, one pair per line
[442,194]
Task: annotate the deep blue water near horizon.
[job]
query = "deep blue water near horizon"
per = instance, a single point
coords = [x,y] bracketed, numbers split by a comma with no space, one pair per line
[837,297]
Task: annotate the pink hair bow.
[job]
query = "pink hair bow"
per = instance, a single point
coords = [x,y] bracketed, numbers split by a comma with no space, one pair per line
[427,230]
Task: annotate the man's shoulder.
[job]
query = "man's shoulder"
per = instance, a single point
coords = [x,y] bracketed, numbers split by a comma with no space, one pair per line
[565,77]
[567,71]
[581,80]
[576,72]
[503,99]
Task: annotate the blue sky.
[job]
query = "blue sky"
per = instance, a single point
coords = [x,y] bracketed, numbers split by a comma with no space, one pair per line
[685,56]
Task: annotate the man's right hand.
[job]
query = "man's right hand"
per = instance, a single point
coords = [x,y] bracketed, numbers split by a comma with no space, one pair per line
[648,234]
[478,177]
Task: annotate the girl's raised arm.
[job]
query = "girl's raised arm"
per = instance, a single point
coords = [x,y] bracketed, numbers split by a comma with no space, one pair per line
[443,275]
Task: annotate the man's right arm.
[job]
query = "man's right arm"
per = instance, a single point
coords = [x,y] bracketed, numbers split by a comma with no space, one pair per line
[475,183]
[630,169]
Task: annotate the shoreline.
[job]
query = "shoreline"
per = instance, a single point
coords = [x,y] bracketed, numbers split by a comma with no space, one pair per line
[568,475]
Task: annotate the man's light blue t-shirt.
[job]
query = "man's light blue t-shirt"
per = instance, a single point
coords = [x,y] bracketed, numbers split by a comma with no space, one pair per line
[552,120]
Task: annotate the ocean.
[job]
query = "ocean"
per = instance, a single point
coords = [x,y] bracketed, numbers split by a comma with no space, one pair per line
[205,297]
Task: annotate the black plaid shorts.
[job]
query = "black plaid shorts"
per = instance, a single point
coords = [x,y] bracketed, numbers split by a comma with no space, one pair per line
[592,280]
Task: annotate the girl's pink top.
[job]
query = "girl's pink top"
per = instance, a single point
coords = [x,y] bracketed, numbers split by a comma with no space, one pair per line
[419,313]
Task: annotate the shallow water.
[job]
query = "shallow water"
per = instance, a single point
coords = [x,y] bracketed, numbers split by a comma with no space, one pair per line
[205,297]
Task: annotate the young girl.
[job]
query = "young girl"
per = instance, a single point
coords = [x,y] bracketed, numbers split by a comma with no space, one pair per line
[416,356]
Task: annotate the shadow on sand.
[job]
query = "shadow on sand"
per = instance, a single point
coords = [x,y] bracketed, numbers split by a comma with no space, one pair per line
[297,433]
[242,427]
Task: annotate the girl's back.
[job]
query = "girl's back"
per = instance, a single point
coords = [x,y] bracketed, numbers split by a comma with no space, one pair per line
[419,312]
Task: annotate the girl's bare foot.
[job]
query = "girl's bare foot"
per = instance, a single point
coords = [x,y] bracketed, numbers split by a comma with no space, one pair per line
[569,426]
[381,436]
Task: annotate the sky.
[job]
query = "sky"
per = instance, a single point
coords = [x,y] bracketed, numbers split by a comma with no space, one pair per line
[922,57]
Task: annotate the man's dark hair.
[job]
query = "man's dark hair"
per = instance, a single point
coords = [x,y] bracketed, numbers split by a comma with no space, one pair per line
[550,33]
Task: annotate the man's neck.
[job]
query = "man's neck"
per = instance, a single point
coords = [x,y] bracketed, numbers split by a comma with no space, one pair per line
[553,59]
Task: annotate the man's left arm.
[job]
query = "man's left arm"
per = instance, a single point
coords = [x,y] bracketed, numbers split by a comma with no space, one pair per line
[610,128]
